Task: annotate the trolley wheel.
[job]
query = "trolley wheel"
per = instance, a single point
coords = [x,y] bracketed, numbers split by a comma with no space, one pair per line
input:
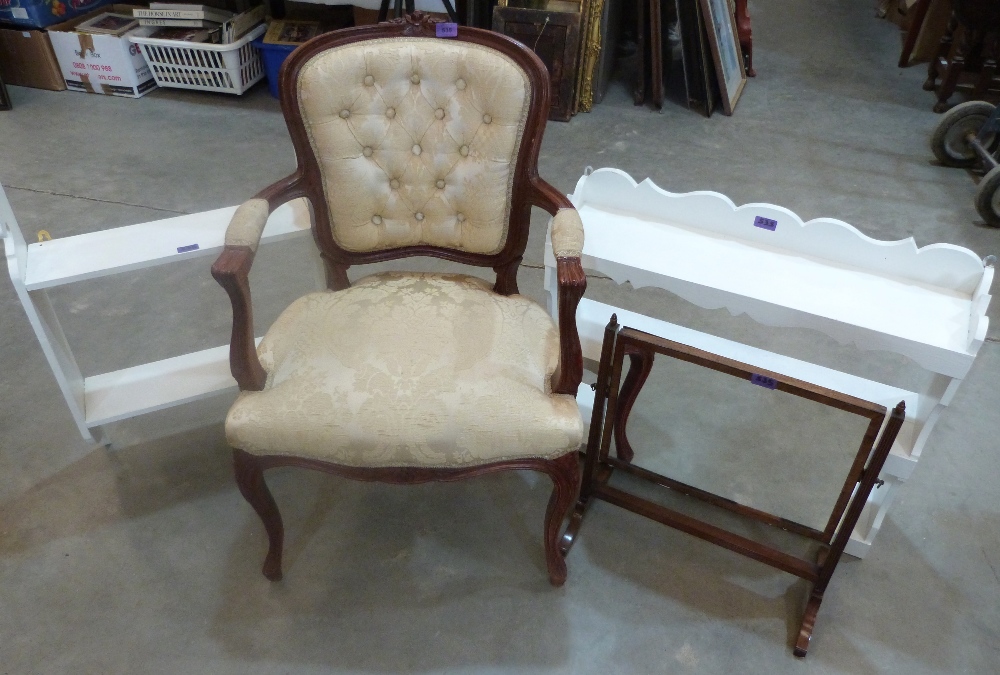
[988,197]
[949,140]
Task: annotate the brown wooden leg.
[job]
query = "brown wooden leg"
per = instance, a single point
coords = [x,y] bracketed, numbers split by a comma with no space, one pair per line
[656,54]
[955,68]
[250,479]
[944,49]
[639,90]
[744,29]
[580,510]
[640,364]
[808,622]
[565,474]
[593,474]
[988,70]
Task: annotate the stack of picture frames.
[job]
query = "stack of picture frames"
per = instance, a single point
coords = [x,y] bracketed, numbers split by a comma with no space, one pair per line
[716,52]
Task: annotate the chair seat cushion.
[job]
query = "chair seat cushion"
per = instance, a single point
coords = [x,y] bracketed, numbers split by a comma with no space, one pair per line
[409,370]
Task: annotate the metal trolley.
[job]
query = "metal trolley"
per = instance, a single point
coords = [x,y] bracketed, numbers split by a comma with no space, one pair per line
[968,136]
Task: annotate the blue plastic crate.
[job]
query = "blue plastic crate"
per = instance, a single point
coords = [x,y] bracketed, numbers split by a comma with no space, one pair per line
[274,56]
[42,13]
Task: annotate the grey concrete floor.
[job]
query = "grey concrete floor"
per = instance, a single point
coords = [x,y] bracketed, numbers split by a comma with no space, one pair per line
[145,559]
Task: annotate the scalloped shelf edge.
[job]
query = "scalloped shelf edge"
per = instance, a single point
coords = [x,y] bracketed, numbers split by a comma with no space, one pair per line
[940,265]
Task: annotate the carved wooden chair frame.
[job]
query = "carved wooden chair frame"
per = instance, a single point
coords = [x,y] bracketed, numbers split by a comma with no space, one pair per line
[232,267]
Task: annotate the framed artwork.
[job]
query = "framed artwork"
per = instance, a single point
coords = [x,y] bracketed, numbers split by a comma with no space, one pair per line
[720,24]
[555,37]
[284,32]
[699,80]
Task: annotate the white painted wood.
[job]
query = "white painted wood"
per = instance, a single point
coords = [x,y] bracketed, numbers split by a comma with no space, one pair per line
[115,396]
[88,256]
[822,275]
[872,518]
[130,392]
[928,304]
[43,319]
[824,241]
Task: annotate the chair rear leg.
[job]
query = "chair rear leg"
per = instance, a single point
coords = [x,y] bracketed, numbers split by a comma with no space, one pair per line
[565,474]
[250,479]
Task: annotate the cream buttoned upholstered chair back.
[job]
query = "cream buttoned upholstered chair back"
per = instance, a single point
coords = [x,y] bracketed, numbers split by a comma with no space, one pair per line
[414,143]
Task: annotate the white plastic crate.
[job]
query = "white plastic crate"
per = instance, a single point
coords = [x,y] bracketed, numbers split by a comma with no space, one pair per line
[231,69]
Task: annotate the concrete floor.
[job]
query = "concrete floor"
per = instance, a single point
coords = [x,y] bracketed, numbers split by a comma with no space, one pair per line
[145,559]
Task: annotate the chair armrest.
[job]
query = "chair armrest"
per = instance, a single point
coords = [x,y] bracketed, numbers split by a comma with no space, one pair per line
[567,244]
[567,234]
[232,270]
[247,225]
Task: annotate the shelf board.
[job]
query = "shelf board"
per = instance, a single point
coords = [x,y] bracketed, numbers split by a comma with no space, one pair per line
[120,249]
[592,317]
[775,286]
[111,397]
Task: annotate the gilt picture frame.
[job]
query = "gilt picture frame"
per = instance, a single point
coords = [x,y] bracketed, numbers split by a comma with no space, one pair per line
[720,25]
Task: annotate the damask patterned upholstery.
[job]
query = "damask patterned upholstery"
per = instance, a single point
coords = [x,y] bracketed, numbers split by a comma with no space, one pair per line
[416,140]
[247,224]
[567,234]
[416,370]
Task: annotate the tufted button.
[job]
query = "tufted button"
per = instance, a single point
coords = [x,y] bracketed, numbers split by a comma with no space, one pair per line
[439,184]
[439,113]
[464,151]
[415,149]
[345,113]
[394,184]
[418,215]
[377,220]
[487,119]
[369,80]
[367,151]
[460,83]
[390,112]
[460,217]
[414,78]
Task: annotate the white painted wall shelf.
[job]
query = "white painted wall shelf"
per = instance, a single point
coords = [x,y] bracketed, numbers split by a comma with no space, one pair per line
[927,304]
[101,399]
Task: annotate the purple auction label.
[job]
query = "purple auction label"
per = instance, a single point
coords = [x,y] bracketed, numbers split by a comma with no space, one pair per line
[186,249]
[764,381]
[446,29]
[765,223]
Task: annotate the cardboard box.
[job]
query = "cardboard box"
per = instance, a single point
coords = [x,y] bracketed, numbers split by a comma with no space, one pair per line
[42,13]
[102,64]
[27,60]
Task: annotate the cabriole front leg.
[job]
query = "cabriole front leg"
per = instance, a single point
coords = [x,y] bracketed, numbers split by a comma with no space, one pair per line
[565,474]
[250,479]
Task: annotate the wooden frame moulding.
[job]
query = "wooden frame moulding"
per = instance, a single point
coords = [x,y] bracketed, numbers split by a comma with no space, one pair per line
[612,406]
[724,45]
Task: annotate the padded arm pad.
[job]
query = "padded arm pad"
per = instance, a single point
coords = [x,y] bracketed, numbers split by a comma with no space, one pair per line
[248,224]
[567,234]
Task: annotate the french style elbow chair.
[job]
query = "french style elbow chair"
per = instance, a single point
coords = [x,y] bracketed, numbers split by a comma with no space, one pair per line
[408,145]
